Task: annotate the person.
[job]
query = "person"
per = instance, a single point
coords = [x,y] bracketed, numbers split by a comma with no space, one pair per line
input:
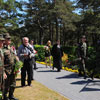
[57,54]
[96,64]
[2,73]
[48,52]
[82,52]
[9,63]
[34,58]
[25,54]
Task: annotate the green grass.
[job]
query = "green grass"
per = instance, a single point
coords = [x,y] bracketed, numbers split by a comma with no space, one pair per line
[36,92]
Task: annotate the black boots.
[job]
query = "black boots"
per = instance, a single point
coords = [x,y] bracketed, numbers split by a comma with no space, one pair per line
[11,96]
[6,98]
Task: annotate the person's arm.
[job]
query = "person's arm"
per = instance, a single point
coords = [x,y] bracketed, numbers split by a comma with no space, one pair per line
[21,54]
[32,54]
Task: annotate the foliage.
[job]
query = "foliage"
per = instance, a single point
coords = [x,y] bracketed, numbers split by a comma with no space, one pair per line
[65,59]
[40,52]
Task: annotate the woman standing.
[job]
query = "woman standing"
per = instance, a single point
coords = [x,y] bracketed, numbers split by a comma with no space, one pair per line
[48,52]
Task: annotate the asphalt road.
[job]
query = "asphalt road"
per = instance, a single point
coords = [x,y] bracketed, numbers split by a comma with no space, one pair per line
[68,84]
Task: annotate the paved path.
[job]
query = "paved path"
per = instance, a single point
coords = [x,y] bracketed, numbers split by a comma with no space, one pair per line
[68,83]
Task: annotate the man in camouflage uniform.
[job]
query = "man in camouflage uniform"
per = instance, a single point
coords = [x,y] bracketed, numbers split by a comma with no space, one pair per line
[2,74]
[9,62]
[82,51]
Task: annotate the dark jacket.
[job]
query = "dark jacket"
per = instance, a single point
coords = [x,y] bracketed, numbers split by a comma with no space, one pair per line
[57,52]
[80,51]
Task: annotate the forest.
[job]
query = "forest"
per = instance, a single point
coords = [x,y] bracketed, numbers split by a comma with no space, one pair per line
[44,20]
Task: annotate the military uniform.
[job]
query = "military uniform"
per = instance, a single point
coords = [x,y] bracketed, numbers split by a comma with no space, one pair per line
[1,68]
[82,51]
[9,63]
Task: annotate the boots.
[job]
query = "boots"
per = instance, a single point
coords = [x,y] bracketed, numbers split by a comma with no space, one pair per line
[11,96]
[5,97]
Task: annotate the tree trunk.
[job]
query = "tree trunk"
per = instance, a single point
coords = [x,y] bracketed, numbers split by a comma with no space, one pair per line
[57,35]
[41,36]
[64,37]
[50,30]
[52,39]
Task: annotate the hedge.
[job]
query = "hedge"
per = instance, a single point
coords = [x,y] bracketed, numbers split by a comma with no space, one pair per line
[71,52]
[40,52]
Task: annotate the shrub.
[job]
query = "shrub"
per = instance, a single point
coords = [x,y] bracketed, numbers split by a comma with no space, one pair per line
[40,52]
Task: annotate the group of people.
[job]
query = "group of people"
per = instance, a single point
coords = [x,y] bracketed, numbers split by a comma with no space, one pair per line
[8,59]
[56,52]
[82,56]
[26,53]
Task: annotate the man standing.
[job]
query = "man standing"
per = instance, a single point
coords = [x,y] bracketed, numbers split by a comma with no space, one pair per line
[57,54]
[34,58]
[82,54]
[25,54]
[9,63]
[2,73]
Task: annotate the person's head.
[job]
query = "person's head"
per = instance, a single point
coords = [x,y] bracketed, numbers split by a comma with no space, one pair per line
[7,39]
[58,42]
[32,42]
[25,41]
[83,38]
[1,40]
[49,43]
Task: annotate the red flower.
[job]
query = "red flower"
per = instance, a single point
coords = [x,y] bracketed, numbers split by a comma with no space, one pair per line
[66,60]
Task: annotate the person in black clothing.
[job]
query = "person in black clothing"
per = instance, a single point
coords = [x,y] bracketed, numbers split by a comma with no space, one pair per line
[57,54]
[82,51]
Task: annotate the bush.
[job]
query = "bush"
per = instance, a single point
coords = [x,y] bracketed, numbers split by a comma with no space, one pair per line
[40,52]
[70,55]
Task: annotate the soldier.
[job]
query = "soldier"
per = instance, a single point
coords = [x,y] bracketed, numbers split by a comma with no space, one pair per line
[9,62]
[82,54]
[2,73]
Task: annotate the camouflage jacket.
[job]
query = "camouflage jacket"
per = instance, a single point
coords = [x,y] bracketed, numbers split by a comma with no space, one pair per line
[1,61]
[9,59]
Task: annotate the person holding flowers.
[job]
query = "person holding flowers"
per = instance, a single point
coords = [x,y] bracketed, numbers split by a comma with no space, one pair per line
[2,72]
[48,52]
[9,63]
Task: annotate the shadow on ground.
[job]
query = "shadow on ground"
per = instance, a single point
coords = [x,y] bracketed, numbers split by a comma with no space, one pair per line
[47,71]
[72,75]
[18,79]
[88,83]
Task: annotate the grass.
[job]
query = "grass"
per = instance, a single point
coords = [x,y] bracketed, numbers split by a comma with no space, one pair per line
[36,92]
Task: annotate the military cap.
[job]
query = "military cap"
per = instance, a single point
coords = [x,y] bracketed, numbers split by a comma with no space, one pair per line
[7,36]
[1,37]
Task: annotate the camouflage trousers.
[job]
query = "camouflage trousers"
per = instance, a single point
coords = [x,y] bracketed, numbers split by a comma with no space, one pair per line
[10,83]
[82,66]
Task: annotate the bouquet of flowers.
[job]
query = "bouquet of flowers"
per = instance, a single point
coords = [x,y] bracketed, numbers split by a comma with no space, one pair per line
[18,65]
[46,48]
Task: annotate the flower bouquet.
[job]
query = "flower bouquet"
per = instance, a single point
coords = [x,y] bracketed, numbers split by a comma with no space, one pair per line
[18,65]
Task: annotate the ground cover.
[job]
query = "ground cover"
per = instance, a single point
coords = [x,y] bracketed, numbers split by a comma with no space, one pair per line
[36,92]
